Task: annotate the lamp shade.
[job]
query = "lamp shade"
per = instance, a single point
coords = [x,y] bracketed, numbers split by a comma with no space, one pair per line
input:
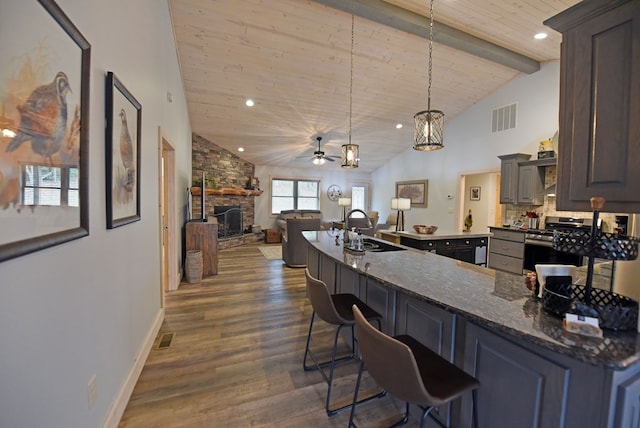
[404,203]
[344,202]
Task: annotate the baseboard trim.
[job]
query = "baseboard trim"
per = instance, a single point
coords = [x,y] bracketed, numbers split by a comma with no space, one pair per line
[120,404]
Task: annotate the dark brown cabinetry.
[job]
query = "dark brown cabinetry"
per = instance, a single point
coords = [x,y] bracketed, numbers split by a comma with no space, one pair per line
[599,135]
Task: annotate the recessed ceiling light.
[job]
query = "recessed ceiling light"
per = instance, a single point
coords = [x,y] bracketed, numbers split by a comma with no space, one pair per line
[540,36]
[241,149]
[249,103]
[398,125]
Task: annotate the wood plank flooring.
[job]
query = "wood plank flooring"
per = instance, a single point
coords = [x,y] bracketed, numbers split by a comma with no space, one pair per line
[236,357]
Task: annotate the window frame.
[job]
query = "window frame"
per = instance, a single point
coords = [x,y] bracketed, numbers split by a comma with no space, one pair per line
[295,196]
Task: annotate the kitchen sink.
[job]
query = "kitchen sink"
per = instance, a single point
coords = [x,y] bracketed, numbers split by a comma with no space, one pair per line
[379,247]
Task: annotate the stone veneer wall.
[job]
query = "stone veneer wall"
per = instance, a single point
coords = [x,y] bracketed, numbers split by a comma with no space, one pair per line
[228,170]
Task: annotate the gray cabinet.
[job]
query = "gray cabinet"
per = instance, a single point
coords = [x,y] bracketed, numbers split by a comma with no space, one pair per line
[509,172]
[530,184]
[383,300]
[628,403]
[527,390]
[506,250]
[434,328]
[598,146]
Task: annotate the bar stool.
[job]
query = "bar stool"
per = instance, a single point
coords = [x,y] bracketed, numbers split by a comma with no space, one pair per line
[410,371]
[334,309]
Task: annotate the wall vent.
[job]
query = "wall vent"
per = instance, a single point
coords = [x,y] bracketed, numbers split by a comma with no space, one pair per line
[503,118]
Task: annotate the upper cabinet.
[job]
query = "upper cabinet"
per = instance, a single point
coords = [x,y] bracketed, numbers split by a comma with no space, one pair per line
[599,136]
[509,172]
[522,180]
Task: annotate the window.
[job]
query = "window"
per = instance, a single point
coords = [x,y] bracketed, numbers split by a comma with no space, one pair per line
[48,185]
[289,194]
[359,199]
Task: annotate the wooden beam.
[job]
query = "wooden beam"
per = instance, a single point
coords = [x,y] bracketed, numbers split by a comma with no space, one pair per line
[416,24]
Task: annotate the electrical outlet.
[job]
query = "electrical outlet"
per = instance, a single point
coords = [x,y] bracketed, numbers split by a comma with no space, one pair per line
[92,390]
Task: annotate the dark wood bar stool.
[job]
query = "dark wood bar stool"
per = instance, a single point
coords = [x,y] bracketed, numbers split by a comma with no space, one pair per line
[409,371]
[335,309]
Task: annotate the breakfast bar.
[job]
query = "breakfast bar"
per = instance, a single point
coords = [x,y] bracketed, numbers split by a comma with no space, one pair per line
[531,371]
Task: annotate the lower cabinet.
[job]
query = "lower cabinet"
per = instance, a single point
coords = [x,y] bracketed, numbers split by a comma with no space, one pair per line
[434,328]
[382,299]
[470,250]
[517,387]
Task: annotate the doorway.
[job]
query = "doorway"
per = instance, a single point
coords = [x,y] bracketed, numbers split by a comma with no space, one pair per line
[480,193]
[169,260]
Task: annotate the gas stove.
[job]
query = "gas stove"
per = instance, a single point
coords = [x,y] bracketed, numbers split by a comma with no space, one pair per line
[561,224]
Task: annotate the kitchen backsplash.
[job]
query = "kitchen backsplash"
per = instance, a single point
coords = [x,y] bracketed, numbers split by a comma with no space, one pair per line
[514,212]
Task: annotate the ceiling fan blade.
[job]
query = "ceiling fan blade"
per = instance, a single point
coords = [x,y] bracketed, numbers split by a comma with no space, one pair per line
[329,158]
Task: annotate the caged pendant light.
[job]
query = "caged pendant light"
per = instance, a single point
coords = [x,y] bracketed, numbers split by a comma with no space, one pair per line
[429,124]
[350,155]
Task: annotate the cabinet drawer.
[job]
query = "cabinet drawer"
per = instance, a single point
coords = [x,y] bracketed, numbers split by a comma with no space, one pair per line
[507,235]
[508,248]
[505,263]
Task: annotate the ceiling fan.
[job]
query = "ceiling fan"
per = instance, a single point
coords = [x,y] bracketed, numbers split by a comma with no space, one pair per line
[319,157]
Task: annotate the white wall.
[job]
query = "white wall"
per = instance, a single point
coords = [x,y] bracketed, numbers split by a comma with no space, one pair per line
[85,307]
[470,146]
[330,209]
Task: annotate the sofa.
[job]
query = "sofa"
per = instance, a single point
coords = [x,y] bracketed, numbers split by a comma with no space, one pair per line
[294,246]
[291,223]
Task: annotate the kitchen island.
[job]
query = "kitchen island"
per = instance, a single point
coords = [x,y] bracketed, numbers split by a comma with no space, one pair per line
[468,247]
[532,372]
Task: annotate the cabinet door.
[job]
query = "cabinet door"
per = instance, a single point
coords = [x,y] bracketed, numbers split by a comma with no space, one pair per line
[523,388]
[598,149]
[431,326]
[628,403]
[508,181]
[530,185]
[383,300]
[509,177]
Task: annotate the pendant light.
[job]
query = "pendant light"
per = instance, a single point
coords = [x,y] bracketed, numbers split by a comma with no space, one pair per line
[350,155]
[429,124]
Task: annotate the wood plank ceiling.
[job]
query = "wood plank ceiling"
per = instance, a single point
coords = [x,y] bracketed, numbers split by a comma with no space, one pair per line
[293,58]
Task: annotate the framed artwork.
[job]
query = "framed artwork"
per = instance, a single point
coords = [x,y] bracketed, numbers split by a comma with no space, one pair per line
[44,135]
[416,190]
[474,193]
[122,154]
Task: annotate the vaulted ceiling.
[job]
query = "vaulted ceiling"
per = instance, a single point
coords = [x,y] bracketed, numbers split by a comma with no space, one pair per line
[294,59]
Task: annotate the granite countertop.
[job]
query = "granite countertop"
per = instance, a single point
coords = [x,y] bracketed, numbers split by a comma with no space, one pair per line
[440,235]
[497,301]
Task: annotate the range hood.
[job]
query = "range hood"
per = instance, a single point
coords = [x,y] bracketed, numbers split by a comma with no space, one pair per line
[551,190]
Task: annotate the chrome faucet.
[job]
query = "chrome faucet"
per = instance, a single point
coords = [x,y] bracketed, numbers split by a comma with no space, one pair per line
[346,223]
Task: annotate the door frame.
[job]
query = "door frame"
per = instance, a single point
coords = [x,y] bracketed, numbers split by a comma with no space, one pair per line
[169,259]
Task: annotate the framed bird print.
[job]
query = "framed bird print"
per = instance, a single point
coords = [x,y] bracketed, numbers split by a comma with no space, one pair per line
[122,153]
[44,129]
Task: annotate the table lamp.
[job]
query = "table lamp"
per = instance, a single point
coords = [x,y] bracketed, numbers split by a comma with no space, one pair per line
[400,204]
[344,203]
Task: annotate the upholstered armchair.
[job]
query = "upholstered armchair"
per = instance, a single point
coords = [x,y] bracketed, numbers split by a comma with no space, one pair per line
[294,246]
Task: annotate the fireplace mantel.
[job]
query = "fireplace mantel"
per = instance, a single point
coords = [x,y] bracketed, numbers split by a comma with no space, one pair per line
[195,191]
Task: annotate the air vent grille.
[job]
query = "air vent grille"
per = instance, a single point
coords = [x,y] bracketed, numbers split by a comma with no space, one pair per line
[503,118]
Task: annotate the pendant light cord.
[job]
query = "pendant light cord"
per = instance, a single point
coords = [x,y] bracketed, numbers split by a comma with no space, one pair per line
[430,54]
[351,78]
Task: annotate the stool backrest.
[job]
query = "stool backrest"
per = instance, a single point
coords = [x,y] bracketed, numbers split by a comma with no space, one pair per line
[321,300]
[390,362]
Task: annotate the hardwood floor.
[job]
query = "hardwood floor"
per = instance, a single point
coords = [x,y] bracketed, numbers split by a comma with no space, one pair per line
[236,356]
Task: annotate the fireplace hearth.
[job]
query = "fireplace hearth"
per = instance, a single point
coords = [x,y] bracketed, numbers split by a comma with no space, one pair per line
[230,222]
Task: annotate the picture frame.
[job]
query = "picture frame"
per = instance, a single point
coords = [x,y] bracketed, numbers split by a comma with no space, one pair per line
[44,166]
[474,193]
[416,190]
[122,153]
